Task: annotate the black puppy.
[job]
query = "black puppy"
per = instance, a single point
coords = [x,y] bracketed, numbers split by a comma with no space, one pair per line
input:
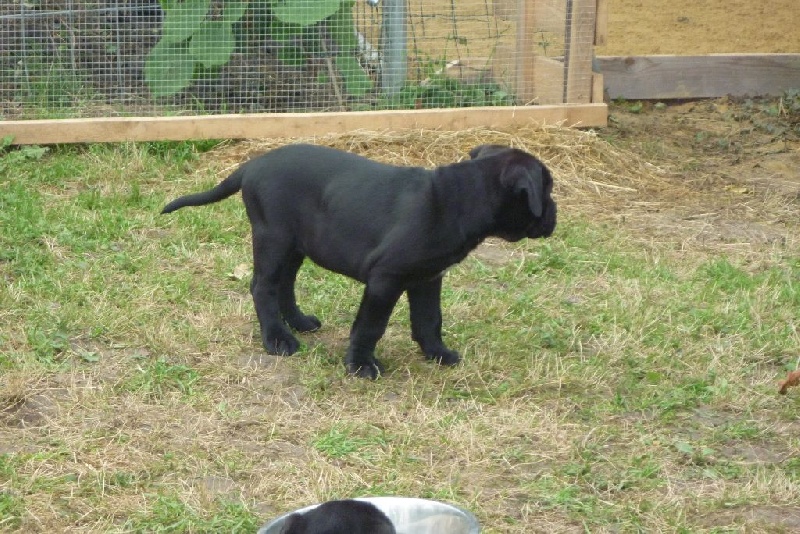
[340,517]
[396,229]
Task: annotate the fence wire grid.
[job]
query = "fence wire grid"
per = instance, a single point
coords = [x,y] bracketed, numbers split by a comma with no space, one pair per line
[81,58]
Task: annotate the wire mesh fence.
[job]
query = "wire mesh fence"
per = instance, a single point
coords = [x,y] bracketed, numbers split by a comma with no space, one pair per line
[93,58]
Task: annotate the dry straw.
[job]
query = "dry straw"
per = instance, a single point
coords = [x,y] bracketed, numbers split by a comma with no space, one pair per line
[652,202]
[584,165]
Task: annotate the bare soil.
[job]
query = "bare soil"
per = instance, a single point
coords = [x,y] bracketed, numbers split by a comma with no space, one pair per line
[736,156]
[727,147]
[685,27]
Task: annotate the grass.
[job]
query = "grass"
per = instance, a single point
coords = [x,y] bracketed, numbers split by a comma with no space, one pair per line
[614,379]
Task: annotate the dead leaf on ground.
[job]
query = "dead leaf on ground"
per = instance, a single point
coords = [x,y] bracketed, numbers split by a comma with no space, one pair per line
[792,379]
[240,272]
[737,189]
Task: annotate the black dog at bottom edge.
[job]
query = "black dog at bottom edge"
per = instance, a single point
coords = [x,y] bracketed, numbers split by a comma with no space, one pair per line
[340,517]
[396,229]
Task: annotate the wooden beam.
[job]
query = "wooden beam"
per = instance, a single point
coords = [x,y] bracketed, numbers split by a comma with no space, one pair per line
[601,23]
[548,80]
[548,16]
[286,125]
[505,9]
[523,58]
[706,76]
[579,50]
[597,87]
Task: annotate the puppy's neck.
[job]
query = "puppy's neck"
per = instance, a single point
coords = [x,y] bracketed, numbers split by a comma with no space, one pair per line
[466,197]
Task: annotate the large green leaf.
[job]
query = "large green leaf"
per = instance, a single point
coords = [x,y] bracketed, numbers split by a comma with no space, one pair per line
[168,68]
[233,10]
[182,20]
[213,43]
[305,12]
[342,28]
[287,36]
[356,81]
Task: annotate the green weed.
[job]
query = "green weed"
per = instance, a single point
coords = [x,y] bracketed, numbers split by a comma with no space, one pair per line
[154,379]
[360,443]
[170,514]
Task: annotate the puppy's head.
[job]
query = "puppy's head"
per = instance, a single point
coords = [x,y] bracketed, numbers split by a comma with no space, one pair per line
[527,209]
[295,524]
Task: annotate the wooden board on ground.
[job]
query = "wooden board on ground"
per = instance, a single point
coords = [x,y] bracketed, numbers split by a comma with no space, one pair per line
[303,125]
[704,76]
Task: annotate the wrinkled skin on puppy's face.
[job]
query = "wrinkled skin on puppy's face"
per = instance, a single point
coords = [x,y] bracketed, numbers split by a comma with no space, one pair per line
[530,211]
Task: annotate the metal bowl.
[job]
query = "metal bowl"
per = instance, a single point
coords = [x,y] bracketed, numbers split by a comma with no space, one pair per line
[408,515]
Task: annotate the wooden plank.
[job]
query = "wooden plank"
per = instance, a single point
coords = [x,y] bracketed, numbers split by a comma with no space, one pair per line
[579,50]
[504,71]
[505,9]
[523,55]
[598,88]
[548,80]
[705,76]
[601,23]
[548,16]
[293,125]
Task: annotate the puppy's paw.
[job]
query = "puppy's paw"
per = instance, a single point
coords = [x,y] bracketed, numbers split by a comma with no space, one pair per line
[371,370]
[304,323]
[281,343]
[444,356]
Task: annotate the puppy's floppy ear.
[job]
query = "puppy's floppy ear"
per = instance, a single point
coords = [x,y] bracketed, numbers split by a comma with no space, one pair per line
[475,152]
[528,180]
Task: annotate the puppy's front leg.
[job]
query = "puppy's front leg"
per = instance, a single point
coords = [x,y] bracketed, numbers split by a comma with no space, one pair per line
[425,305]
[373,314]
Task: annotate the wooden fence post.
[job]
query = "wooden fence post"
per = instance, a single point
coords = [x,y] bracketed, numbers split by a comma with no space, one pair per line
[579,50]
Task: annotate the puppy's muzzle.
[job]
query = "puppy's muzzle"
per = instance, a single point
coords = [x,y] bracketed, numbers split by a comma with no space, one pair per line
[545,225]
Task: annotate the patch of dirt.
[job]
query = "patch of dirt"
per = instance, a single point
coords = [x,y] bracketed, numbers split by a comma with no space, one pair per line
[33,410]
[757,518]
[11,442]
[753,453]
[735,164]
[212,487]
[29,401]
[640,27]
[493,252]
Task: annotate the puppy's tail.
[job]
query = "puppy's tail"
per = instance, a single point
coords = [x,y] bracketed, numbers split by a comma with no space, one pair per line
[227,187]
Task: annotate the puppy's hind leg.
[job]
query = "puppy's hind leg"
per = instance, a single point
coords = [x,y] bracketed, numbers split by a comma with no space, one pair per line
[268,262]
[288,301]
[424,302]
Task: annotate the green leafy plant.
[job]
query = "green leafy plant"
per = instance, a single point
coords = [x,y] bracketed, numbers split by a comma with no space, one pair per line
[9,157]
[443,92]
[545,41]
[190,36]
[155,378]
[197,37]
[629,106]
[11,509]
[344,441]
